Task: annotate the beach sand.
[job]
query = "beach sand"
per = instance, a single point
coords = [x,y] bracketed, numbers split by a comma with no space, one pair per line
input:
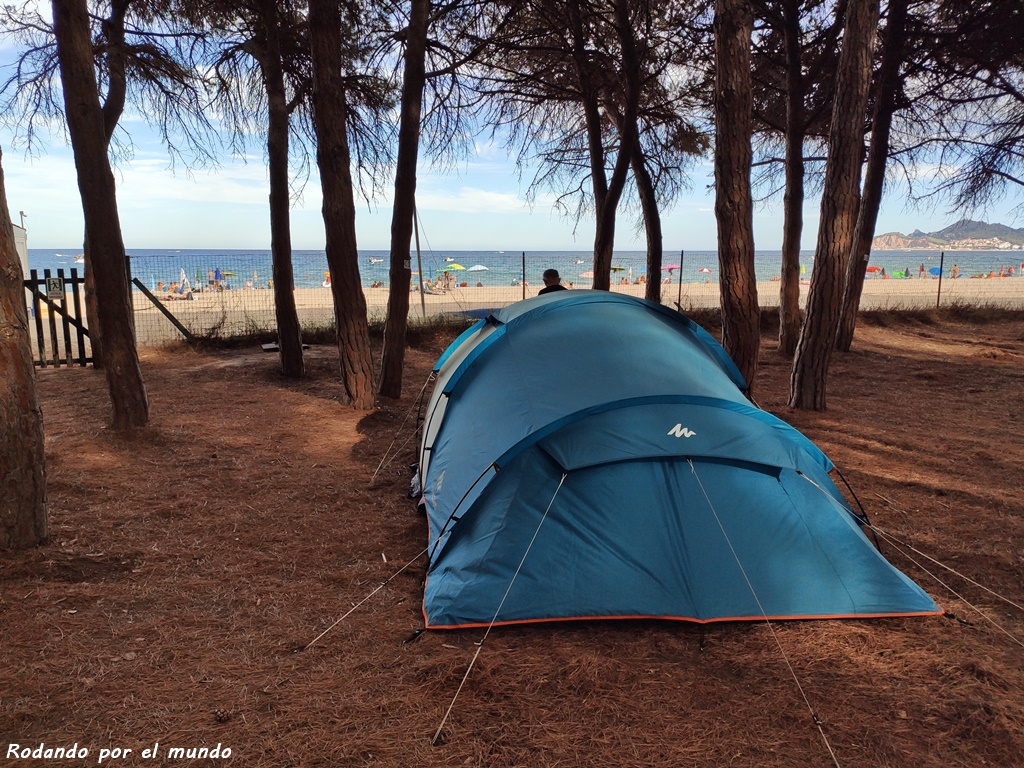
[238,312]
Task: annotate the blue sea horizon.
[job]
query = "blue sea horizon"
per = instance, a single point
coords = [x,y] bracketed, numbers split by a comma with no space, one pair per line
[242,267]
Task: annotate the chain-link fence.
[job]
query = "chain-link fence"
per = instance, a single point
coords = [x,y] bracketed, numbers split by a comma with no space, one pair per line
[235,297]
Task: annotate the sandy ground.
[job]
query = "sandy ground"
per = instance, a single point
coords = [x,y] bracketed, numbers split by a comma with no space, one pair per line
[190,562]
[246,312]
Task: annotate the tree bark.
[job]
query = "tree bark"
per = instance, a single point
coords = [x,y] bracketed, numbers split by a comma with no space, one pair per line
[130,405]
[330,118]
[591,106]
[23,520]
[793,202]
[648,196]
[734,208]
[608,202]
[112,108]
[874,179]
[839,203]
[404,207]
[289,333]
[652,224]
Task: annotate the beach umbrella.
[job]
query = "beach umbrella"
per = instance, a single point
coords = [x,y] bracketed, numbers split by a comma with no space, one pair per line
[704,270]
[618,269]
[218,275]
[477,268]
[670,267]
[455,267]
[874,268]
[935,271]
[230,274]
[587,274]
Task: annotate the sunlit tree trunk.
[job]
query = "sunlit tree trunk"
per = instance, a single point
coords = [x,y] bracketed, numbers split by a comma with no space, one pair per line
[289,333]
[874,178]
[22,466]
[607,193]
[652,224]
[404,207]
[330,117]
[734,208]
[839,203]
[793,202]
[113,108]
[130,405]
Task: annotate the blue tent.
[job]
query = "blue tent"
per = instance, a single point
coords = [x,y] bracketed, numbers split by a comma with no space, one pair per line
[590,455]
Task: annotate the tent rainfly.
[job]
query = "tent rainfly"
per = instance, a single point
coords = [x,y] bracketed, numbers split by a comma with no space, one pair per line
[590,455]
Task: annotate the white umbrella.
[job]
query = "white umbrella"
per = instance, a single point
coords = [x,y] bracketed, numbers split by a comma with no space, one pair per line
[477,268]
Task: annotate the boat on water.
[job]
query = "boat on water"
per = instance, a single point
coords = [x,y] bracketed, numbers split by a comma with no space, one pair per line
[376,261]
[80,259]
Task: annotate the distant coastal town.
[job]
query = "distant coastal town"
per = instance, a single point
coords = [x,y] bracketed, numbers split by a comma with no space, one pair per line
[965,235]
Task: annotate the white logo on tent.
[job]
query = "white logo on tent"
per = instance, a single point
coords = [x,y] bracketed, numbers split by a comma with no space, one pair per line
[680,431]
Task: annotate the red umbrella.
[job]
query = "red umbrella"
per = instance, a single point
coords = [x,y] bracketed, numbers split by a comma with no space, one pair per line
[670,267]
[704,270]
[873,268]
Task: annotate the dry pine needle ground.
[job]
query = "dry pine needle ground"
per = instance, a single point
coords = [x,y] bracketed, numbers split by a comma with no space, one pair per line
[189,561]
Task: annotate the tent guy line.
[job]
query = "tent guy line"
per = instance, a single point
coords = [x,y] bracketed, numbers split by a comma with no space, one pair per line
[355,607]
[896,544]
[388,456]
[480,645]
[775,636]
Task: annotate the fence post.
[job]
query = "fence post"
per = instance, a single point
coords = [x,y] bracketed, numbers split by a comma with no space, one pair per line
[938,296]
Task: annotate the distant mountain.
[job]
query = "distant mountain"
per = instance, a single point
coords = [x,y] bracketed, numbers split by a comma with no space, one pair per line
[965,235]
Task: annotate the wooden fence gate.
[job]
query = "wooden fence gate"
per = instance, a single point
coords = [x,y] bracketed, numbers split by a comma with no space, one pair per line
[57,326]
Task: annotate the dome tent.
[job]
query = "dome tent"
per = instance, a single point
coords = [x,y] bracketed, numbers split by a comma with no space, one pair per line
[591,455]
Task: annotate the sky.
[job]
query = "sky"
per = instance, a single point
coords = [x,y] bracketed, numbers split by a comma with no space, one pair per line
[481,205]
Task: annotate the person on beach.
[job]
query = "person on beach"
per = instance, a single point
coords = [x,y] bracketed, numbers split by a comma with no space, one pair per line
[552,282]
[956,271]
[920,272]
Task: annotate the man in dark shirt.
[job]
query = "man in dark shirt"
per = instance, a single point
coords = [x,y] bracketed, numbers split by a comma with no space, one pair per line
[552,282]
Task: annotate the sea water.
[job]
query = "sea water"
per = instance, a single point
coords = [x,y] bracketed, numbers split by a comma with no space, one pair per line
[252,268]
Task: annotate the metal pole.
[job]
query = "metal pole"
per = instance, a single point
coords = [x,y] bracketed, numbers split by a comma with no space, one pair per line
[679,295]
[523,275]
[159,305]
[938,297]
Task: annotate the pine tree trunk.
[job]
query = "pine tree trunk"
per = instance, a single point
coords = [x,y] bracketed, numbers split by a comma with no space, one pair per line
[839,203]
[734,208]
[793,202]
[289,332]
[23,520]
[652,224]
[113,108]
[874,178]
[607,205]
[130,405]
[330,117]
[404,208]
[92,309]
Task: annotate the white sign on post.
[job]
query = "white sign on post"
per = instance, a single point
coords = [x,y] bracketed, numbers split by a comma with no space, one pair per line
[55,288]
